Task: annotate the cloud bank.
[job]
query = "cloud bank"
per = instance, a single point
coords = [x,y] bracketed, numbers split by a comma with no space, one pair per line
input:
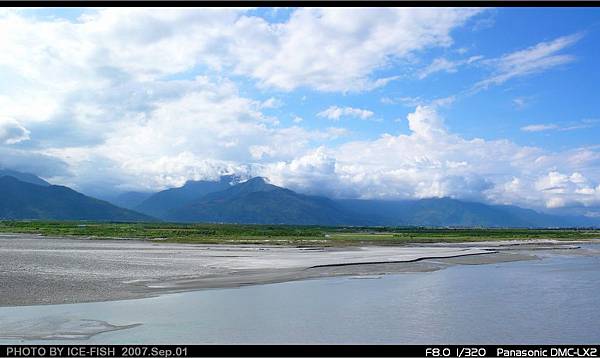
[144,99]
[433,162]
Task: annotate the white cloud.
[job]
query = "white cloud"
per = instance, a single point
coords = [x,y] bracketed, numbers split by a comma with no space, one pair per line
[583,124]
[271,103]
[535,59]
[418,101]
[90,106]
[539,127]
[425,123]
[338,49]
[442,64]
[462,50]
[433,162]
[520,102]
[405,100]
[313,172]
[300,52]
[559,190]
[439,64]
[53,61]
[335,113]
[12,132]
[208,130]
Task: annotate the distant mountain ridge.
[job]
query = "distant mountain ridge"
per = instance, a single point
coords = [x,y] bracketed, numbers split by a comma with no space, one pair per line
[161,203]
[24,177]
[453,212]
[256,201]
[24,200]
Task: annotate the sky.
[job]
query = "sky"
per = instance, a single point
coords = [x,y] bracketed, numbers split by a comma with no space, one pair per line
[497,105]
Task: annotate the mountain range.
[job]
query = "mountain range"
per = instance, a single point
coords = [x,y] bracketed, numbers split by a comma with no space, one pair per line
[24,177]
[25,200]
[162,203]
[256,201]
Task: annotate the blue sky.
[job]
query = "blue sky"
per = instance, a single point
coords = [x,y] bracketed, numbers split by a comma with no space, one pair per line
[498,105]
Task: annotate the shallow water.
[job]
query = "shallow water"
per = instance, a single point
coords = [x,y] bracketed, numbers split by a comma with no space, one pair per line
[553,300]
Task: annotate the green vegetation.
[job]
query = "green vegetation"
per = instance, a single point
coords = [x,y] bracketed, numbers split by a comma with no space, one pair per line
[285,234]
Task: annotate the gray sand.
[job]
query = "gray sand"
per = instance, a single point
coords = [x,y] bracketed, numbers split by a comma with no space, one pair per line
[36,270]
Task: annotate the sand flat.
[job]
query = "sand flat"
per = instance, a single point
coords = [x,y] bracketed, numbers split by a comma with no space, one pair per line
[38,270]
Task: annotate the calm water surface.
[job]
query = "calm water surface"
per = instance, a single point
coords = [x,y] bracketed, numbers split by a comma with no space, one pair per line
[554,300]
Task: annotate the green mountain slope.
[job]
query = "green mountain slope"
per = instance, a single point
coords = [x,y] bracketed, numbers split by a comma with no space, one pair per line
[25,196]
[161,203]
[255,201]
[21,200]
[24,177]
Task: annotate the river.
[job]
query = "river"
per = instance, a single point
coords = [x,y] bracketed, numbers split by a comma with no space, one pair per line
[552,300]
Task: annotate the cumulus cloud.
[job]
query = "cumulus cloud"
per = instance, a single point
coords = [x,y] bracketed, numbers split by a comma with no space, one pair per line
[433,162]
[203,132]
[65,76]
[560,189]
[327,49]
[335,113]
[338,49]
[90,107]
[313,172]
[425,123]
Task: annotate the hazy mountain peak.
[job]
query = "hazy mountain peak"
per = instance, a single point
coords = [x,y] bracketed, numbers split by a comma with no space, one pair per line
[256,184]
[231,179]
[162,202]
[24,177]
[256,181]
[256,201]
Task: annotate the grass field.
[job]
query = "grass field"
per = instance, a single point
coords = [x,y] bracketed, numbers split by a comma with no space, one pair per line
[285,234]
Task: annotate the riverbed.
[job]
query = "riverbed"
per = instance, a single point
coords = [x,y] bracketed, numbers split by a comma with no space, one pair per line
[548,301]
[42,270]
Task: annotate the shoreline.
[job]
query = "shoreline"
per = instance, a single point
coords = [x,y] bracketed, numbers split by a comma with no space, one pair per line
[391,305]
[42,271]
[362,270]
